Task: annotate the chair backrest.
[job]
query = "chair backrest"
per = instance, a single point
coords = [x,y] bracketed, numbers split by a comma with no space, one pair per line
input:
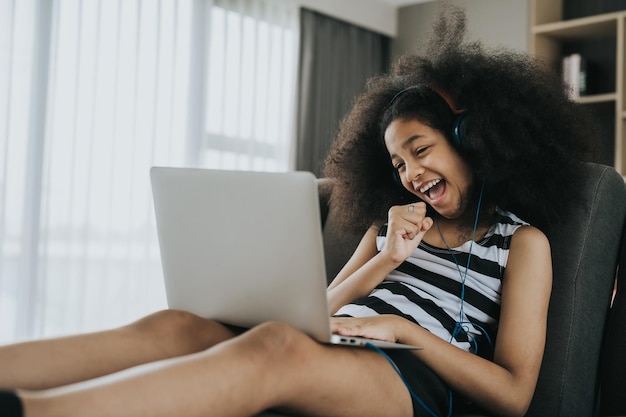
[585,253]
[585,249]
[338,246]
[613,367]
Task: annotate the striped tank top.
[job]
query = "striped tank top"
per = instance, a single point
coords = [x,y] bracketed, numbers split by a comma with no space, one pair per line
[427,288]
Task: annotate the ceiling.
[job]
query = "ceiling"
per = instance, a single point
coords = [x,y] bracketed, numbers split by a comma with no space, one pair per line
[400,3]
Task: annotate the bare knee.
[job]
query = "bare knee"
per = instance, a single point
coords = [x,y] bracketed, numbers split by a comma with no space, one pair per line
[179,332]
[275,344]
[281,358]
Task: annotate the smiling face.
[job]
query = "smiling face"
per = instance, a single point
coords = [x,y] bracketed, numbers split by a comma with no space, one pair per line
[429,166]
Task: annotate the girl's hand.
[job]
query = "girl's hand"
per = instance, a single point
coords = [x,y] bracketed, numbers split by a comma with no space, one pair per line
[384,327]
[407,225]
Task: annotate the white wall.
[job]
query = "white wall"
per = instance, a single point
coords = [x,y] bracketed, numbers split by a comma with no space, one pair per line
[494,22]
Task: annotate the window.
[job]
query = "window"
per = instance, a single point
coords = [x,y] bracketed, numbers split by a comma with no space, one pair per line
[251,68]
[93,93]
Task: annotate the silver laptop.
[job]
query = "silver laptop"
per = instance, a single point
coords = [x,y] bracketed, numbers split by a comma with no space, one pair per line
[243,248]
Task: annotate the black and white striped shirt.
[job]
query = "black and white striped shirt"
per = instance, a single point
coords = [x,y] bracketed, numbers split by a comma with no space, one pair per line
[426,288]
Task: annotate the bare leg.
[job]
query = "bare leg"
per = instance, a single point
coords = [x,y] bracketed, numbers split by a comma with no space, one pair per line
[54,362]
[272,365]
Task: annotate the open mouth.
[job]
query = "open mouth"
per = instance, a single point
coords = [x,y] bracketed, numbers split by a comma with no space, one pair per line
[433,189]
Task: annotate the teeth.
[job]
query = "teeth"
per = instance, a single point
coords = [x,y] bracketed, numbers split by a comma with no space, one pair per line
[430,185]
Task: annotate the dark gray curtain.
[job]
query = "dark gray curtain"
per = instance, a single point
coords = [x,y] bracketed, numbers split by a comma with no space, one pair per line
[336,59]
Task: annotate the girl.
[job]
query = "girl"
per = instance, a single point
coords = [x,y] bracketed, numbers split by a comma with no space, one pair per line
[431,163]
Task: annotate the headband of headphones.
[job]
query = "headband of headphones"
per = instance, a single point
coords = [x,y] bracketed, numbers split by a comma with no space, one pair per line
[458,127]
[441,93]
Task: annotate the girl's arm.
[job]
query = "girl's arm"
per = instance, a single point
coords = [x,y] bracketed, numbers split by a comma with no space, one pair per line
[360,275]
[506,385]
[367,267]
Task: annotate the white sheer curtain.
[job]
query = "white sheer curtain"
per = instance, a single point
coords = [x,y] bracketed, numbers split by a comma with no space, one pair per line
[93,93]
[251,84]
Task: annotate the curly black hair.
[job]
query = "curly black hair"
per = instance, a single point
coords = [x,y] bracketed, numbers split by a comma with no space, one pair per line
[523,137]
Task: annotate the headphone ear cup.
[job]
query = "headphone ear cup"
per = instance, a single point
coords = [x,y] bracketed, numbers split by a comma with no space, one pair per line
[458,131]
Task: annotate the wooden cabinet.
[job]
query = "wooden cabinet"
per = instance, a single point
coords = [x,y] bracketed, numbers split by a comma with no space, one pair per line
[601,39]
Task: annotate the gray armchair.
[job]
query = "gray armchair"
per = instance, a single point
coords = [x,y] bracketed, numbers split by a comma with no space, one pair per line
[584,366]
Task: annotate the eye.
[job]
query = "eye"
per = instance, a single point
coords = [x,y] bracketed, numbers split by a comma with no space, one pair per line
[420,151]
[399,166]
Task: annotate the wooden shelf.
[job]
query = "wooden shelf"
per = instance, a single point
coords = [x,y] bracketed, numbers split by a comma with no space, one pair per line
[586,27]
[601,39]
[597,98]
